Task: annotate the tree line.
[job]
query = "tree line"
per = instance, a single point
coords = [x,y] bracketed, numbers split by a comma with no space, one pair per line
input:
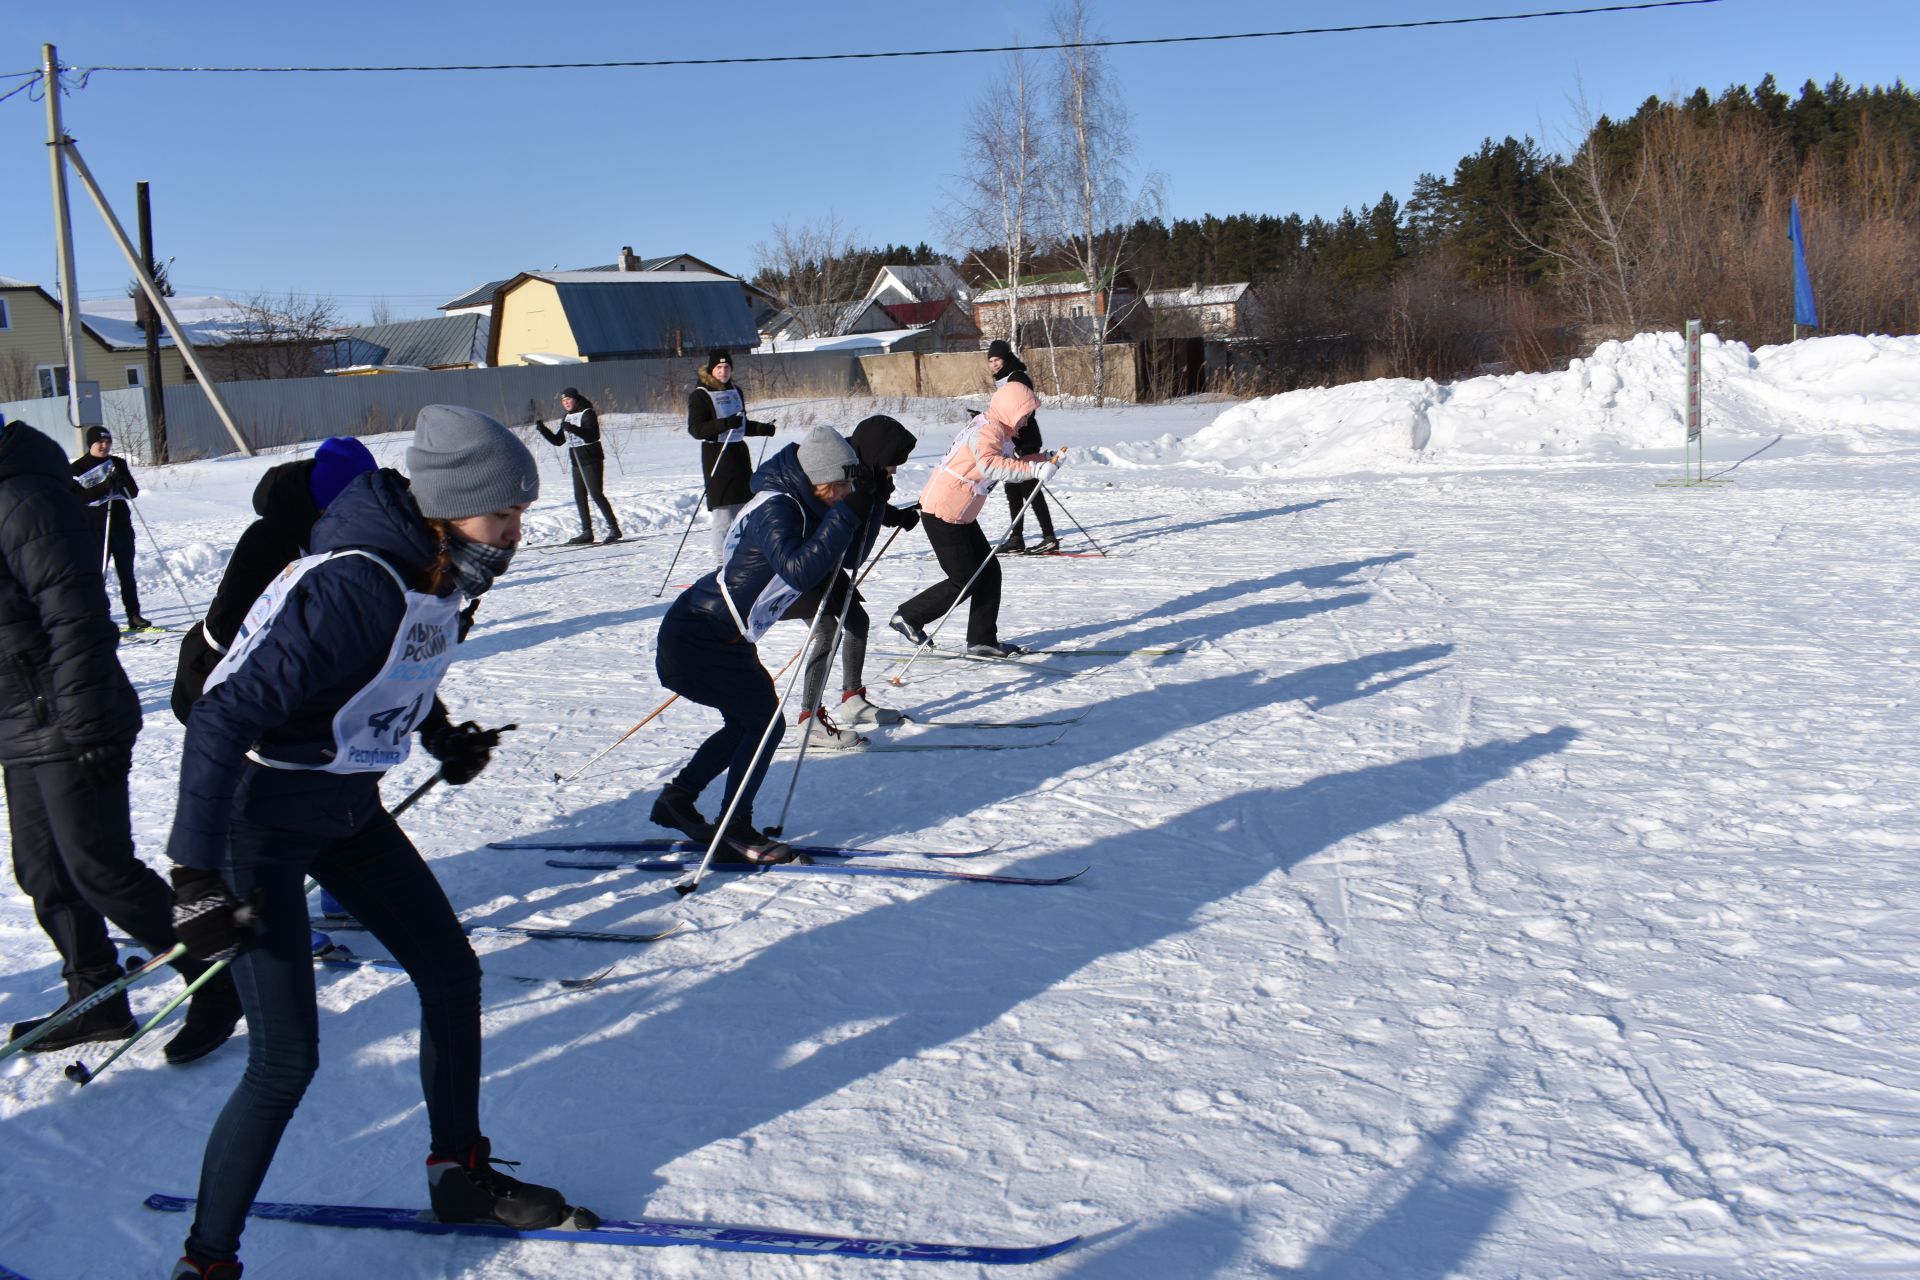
[1516,259]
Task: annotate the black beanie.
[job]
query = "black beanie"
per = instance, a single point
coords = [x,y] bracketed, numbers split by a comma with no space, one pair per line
[96,434]
[1000,348]
[716,355]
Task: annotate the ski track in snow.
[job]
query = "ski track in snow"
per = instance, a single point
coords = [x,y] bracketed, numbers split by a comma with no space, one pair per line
[1514,880]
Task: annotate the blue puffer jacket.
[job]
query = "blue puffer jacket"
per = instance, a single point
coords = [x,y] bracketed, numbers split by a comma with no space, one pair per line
[801,541]
[330,638]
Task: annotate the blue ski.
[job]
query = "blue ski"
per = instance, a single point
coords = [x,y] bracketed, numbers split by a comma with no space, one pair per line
[6,1274]
[335,956]
[617,1231]
[348,924]
[668,844]
[821,868]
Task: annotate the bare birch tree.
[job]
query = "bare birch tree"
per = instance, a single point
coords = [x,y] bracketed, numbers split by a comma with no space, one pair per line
[1086,189]
[806,263]
[1007,150]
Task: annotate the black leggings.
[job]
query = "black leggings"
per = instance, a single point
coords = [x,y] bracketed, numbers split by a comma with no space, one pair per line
[381,879]
[589,475]
[960,549]
[853,646]
[727,676]
[1017,491]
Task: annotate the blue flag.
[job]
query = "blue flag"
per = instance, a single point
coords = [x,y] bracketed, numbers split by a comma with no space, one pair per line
[1804,312]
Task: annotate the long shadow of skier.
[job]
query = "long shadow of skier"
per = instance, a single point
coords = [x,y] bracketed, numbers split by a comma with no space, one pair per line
[1424,1232]
[818,1011]
[1236,517]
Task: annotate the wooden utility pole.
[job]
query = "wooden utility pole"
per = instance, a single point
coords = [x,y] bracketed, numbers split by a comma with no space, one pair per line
[150,327]
[63,239]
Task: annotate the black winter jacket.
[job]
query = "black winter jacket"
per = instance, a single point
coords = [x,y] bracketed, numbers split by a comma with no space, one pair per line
[99,482]
[61,686]
[802,541]
[330,638]
[728,468]
[586,430]
[1027,439]
[879,442]
[284,502]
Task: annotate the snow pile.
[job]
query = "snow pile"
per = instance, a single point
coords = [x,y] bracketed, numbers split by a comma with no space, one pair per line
[1851,394]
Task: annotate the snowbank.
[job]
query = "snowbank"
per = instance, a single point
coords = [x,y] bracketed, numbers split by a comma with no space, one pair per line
[1843,394]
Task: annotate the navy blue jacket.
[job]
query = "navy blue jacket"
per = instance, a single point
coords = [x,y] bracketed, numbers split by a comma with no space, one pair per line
[801,541]
[331,637]
[61,686]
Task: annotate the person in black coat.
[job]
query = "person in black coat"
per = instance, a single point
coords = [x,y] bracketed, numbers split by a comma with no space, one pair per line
[579,434]
[107,486]
[1007,367]
[881,444]
[68,720]
[288,500]
[717,417]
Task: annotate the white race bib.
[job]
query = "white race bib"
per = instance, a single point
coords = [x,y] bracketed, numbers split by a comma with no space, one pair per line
[373,731]
[774,597]
[725,405]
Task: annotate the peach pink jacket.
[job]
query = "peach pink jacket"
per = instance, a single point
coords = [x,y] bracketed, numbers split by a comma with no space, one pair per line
[982,456]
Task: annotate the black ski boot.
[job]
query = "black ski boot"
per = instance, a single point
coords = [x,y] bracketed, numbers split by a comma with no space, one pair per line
[614,536]
[675,809]
[212,1015]
[474,1191]
[745,843]
[109,1020]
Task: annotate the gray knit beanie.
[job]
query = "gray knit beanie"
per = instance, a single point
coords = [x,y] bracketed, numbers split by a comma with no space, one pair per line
[825,456]
[463,463]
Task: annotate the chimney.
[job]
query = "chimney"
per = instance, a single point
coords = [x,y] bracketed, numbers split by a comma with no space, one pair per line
[627,261]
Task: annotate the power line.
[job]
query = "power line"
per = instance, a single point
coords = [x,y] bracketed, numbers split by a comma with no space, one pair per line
[923,53]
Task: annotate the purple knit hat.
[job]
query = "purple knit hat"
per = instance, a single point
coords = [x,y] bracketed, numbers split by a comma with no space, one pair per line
[339,459]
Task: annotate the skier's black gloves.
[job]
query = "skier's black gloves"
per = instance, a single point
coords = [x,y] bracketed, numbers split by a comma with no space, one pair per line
[462,749]
[759,428]
[106,764]
[207,918]
[901,517]
[868,478]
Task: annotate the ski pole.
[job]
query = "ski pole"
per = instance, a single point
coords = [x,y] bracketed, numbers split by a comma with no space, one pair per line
[106,547]
[80,1074]
[1076,524]
[441,773]
[164,564]
[705,487]
[992,555]
[846,603]
[93,1001]
[779,716]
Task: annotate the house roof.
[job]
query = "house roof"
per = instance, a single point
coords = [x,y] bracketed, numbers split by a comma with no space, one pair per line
[481,296]
[432,343]
[8,282]
[823,319]
[923,283]
[1197,295]
[209,321]
[913,314]
[884,340]
[615,313]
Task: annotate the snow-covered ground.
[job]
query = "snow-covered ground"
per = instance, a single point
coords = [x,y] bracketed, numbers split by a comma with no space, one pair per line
[1514,877]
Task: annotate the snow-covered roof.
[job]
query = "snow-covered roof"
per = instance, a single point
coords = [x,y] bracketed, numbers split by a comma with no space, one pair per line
[8,282]
[922,284]
[885,340]
[630,277]
[1059,289]
[209,321]
[1197,295]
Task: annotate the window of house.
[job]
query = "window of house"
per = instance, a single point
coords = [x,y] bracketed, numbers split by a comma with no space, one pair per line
[133,375]
[3,313]
[1078,311]
[53,380]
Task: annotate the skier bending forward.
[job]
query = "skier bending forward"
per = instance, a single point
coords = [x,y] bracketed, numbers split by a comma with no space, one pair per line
[334,668]
[786,541]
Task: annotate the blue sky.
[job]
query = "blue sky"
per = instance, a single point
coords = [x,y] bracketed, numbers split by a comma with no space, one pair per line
[413,188]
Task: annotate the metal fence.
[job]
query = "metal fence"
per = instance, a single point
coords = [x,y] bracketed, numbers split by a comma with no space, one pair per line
[294,410]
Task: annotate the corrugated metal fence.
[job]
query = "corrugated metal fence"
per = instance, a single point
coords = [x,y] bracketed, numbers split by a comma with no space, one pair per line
[291,410]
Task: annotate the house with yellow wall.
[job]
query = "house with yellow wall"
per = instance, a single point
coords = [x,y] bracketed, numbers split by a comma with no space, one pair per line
[544,317]
[33,349]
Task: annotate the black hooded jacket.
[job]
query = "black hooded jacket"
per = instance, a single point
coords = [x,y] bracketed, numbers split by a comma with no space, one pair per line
[1027,439]
[284,502]
[61,686]
[728,468]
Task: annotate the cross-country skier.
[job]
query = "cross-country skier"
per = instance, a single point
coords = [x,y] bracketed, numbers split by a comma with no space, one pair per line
[717,417]
[288,500]
[579,434]
[279,780]
[982,455]
[881,444]
[68,719]
[794,533]
[1007,367]
[107,486]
